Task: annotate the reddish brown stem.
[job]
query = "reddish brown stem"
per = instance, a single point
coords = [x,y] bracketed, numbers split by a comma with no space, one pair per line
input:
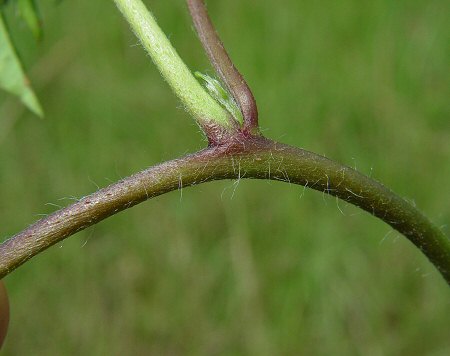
[241,157]
[223,65]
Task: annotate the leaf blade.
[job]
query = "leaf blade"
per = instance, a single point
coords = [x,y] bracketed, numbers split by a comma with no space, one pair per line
[12,76]
[29,11]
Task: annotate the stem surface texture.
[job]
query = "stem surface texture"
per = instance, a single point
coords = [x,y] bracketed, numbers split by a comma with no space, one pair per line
[256,158]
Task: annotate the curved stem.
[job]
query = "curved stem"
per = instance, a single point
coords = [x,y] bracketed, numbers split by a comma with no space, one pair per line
[254,157]
[223,65]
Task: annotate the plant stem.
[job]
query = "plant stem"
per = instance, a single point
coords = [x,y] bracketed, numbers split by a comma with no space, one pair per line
[196,100]
[223,65]
[256,158]
[243,153]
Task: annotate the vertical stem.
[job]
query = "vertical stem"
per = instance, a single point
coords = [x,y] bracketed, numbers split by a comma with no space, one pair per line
[196,100]
[223,65]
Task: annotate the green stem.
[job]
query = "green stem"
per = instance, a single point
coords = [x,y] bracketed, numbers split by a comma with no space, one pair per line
[195,99]
[256,158]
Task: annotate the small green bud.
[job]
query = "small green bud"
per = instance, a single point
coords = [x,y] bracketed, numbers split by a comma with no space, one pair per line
[221,95]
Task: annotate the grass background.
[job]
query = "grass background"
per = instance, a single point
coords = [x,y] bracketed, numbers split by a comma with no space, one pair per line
[250,269]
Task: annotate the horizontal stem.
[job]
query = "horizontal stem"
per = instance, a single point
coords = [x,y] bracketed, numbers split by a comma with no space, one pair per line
[256,158]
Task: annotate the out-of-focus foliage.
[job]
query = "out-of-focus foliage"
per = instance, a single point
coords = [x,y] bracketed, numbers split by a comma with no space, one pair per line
[232,268]
[30,13]
[12,76]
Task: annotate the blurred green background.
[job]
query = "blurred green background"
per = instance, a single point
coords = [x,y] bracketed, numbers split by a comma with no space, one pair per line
[258,268]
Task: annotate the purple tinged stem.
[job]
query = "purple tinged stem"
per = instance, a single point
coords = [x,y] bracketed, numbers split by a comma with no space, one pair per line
[255,157]
[223,65]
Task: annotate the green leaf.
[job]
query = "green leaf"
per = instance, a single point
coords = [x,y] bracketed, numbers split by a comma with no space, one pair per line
[12,76]
[29,11]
